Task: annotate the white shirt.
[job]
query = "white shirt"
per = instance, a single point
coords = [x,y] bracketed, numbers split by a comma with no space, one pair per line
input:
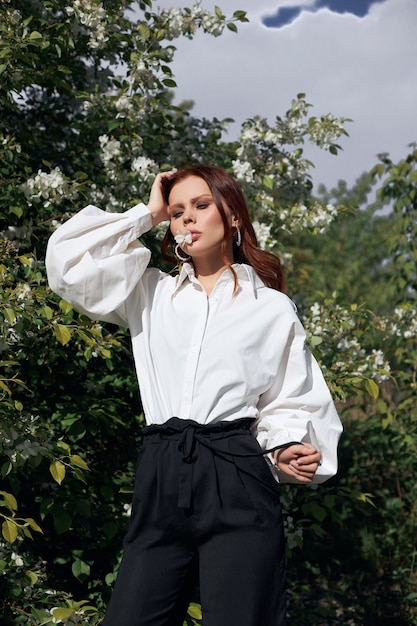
[203,358]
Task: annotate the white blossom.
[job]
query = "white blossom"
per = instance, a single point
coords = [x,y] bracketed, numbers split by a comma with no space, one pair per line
[145,168]
[286,259]
[183,236]
[243,170]
[263,233]
[325,130]
[249,134]
[110,148]
[17,559]
[92,15]
[403,322]
[48,187]
[127,508]
[334,328]
[179,22]
[23,291]
[300,217]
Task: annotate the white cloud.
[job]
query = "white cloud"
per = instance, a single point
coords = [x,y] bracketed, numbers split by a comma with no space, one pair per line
[362,68]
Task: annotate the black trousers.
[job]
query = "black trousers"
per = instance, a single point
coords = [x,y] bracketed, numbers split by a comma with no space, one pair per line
[205,506]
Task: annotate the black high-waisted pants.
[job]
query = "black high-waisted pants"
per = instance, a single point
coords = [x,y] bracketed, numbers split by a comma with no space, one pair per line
[205,506]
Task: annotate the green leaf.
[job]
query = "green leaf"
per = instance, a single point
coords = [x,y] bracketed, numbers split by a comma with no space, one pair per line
[26,532]
[5,388]
[317,511]
[62,522]
[46,312]
[10,500]
[63,445]
[194,611]
[62,614]
[367,498]
[240,15]
[62,333]
[80,475]
[144,31]
[88,340]
[25,260]
[17,210]
[232,26]
[318,530]
[33,578]
[78,461]
[43,618]
[168,82]
[46,507]
[6,468]
[10,315]
[9,530]
[64,70]
[315,340]
[57,470]
[113,124]
[80,569]
[33,525]
[80,176]
[372,388]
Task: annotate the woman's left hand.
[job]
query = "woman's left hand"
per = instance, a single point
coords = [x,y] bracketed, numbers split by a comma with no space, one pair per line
[300,461]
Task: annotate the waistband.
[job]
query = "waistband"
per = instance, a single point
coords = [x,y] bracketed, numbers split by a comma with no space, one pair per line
[177,425]
[187,432]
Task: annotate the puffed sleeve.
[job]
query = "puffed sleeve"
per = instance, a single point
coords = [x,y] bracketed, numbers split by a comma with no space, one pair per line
[298,406]
[94,260]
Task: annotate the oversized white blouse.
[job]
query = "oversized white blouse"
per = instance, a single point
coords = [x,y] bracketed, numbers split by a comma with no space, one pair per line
[203,358]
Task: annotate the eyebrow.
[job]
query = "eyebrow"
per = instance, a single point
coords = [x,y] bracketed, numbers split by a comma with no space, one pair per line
[179,205]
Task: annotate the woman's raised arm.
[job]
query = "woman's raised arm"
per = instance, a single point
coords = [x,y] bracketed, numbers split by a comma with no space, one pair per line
[94,260]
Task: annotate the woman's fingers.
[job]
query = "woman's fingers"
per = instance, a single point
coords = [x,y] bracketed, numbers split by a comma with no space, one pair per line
[157,204]
[300,461]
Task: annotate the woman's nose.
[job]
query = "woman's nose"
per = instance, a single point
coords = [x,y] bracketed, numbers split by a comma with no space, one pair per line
[187,217]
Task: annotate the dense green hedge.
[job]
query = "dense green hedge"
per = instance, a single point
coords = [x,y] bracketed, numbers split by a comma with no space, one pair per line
[87,116]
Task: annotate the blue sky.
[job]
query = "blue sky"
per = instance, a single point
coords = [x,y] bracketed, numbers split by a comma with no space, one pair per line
[286,13]
[357,66]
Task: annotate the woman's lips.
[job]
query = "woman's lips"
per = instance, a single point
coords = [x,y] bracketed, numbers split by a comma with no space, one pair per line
[195,234]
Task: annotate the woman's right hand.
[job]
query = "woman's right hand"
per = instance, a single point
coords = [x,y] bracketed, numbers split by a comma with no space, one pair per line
[300,461]
[157,205]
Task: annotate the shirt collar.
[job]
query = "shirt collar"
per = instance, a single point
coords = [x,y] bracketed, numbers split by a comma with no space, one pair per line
[244,272]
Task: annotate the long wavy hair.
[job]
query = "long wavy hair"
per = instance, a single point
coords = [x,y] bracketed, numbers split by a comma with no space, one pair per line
[225,189]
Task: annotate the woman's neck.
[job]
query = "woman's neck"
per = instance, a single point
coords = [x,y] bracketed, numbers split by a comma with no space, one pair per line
[208,281]
[208,271]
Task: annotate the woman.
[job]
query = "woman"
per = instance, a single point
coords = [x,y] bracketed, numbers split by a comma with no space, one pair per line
[232,397]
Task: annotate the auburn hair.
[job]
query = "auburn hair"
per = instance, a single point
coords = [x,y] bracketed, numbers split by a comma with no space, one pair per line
[225,189]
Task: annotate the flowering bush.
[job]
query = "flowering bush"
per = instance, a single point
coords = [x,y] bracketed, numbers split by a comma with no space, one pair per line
[88,117]
[339,335]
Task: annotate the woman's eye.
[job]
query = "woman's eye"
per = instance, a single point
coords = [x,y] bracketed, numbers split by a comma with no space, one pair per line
[202,205]
[176,215]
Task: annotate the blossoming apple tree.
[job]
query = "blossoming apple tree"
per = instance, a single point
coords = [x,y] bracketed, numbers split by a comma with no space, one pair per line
[87,116]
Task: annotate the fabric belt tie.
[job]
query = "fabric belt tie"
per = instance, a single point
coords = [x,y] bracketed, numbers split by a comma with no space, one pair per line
[188,433]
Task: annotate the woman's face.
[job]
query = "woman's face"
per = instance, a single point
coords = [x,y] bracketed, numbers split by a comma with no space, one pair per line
[191,207]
